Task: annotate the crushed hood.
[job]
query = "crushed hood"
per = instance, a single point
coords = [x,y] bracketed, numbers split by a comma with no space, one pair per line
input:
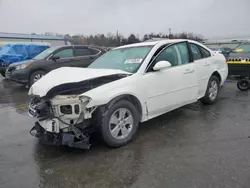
[68,79]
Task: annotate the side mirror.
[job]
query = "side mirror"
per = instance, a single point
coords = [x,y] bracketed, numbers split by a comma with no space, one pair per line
[54,58]
[161,65]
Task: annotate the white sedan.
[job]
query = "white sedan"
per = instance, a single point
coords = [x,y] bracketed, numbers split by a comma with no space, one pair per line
[127,85]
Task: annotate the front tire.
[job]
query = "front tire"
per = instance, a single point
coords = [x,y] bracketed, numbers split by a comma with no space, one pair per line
[212,91]
[119,123]
[35,76]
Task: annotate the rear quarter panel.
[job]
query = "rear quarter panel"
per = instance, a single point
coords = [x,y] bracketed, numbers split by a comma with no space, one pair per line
[219,64]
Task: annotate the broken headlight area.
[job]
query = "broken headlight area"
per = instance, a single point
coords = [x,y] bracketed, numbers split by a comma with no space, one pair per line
[63,119]
[40,108]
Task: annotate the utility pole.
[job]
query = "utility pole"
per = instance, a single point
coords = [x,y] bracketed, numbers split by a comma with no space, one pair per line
[170,36]
[117,39]
[169,31]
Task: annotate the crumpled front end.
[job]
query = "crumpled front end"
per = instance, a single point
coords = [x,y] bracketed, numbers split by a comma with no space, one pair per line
[60,106]
[62,120]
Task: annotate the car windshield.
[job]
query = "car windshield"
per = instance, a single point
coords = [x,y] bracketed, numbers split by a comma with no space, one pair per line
[243,48]
[45,53]
[126,59]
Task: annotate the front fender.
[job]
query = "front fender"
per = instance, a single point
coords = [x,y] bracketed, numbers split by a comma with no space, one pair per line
[98,99]
[130,85]
[101,100]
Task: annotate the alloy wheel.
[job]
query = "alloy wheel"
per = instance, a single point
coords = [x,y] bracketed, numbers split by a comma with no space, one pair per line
[37,77]
[121,123]
[213,90]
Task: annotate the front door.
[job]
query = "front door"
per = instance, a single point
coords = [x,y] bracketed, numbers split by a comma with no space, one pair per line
[173,87]
[62,58]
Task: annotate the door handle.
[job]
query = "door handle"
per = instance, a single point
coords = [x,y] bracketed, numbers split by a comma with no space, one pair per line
[188,71]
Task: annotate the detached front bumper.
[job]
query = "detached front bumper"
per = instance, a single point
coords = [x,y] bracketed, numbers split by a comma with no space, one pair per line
[58,139]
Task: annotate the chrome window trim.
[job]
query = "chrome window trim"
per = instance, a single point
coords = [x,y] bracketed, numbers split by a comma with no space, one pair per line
[99,51]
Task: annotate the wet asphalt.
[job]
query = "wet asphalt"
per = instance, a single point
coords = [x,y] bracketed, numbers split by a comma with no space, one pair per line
[194,146]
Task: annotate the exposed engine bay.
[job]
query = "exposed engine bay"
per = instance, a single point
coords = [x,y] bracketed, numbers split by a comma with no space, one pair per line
[63,118]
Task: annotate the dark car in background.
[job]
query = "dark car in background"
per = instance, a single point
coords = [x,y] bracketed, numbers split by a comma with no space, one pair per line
[28,72]
[224,50]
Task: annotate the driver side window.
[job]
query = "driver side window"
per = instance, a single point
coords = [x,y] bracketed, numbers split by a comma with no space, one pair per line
[66,53]
[176,54]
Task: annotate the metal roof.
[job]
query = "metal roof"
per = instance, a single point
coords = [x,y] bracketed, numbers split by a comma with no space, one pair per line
[228,40]
[29,36]
[155,39]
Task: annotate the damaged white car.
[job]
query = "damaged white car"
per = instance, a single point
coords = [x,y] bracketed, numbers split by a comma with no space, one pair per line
[125,86]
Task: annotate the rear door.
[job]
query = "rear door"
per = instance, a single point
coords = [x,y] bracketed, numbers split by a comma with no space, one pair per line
[84,56]
[203,66]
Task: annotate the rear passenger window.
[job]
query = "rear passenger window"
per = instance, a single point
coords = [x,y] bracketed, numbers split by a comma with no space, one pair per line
[94,51]
[196,52]
[204,52]
[85,52]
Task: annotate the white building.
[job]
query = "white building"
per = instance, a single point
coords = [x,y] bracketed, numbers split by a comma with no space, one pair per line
[6,38]
[227,42]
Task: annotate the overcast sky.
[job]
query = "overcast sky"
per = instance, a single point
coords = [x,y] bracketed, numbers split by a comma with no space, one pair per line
[211,18]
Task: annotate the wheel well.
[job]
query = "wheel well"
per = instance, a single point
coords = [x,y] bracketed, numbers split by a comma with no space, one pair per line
[36,71]
[33,72]
[217,75]
[131,98]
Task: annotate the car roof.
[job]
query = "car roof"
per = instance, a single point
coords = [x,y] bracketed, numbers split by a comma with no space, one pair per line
[65,46]
[74,46]
[153,43]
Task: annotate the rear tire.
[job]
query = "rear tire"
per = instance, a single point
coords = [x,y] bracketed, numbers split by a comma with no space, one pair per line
[212,91]
[118,124]
[35,76]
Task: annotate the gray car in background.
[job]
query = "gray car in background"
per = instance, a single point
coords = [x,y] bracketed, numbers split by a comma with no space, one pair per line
[28,72]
